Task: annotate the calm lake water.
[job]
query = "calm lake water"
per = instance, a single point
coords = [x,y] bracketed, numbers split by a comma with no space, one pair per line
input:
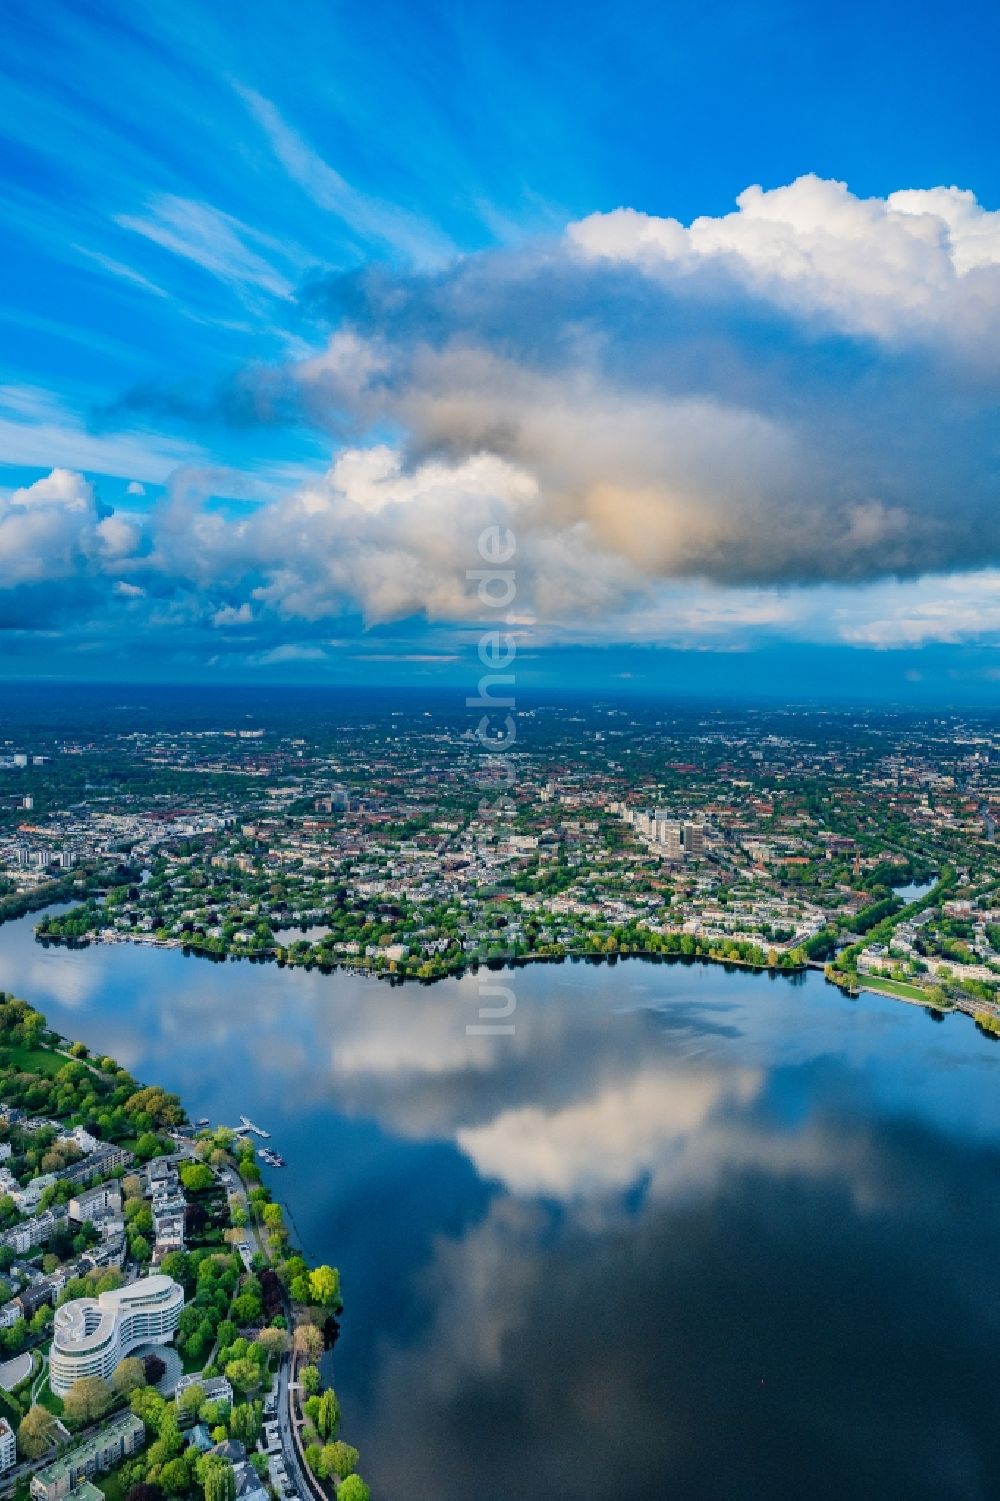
[685,1235]
[912,891]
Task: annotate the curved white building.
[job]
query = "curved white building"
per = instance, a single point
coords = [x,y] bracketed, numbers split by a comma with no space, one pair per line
[91,1335]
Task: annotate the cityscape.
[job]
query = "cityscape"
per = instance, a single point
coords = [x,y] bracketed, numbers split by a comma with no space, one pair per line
[499,751]
[863,846]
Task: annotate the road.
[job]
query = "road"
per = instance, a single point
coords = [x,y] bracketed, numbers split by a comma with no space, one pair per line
[298,1473]
[305,1485]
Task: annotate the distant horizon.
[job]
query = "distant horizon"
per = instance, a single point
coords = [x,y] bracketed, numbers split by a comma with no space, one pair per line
[921,698]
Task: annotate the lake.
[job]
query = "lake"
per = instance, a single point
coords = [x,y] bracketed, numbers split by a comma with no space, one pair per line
[685,1235]
[912,891]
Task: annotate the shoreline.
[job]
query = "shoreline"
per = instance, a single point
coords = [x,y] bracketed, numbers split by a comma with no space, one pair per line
[910,1000]
[253,1232]
[497,965]
[402,977]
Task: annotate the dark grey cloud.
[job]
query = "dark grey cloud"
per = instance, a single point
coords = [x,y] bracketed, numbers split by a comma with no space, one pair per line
[697,425]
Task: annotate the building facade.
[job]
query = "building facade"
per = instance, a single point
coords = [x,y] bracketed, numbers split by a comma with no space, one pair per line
[8,1446]
[95,1204]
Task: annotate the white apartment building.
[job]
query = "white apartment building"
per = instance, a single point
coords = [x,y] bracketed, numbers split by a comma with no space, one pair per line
[34,1232]
[668,837]
[8,1446]
[215,1388]
[91,1335]
[96,1204]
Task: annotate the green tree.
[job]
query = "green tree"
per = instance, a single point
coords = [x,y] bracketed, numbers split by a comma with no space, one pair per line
[338,1459]
[213,1413]
[244,1373]
[196,1177]
[309,1377]
[35,1432]
[148,1405]
[175,1476]
[328,1414]
[162,1109]
[324,1286]
[177,1264]
[190,1400]
[353,1488]
[169,1442]
[247,1307]
[87,1400]
[274,1342]
[128,1376]
[216,1478]
[148,1145]
[245,1422]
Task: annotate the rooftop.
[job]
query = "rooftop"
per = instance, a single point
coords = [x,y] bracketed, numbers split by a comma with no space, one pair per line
[85,1323]
[124,1423]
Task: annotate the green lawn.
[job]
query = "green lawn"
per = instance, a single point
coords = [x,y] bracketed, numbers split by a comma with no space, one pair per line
[32,1060]
[47,1398]
[112,1484]
[897,987]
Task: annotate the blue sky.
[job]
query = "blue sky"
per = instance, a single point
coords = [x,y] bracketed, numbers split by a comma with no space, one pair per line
[295,301]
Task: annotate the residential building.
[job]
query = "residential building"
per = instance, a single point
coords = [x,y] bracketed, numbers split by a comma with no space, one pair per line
[102,1451]
[91,1335]
[169,1236]
[100,1164]
[249,1486]
[8,1447]
[669,836]
[161,1174]
[31,1299]
[216,1388]
[96,1204]
[10,1314]
[30,1233]
[694,839]
[28,1198]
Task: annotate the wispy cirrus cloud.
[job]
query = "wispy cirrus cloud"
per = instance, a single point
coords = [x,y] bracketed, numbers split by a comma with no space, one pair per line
[415,238]
[37,430]
[215,241]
